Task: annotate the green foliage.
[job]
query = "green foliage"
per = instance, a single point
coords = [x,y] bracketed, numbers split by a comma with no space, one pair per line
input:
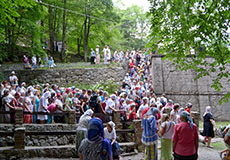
[2,77]
[182,25]
[110,86]
[28,24]
[18,25]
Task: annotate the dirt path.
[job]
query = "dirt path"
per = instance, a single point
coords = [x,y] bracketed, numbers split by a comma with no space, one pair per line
[204,154]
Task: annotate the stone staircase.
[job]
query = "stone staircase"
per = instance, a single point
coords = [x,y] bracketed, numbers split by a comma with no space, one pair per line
[128,149]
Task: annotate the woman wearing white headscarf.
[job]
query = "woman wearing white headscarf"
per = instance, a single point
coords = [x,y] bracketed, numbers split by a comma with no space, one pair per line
[209,123]
[43,105]
[149,134]
[82,127]
[110,133]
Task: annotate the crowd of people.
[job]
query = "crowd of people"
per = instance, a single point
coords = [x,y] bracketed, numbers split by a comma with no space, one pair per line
[135,99]
[36,62]
[117,56]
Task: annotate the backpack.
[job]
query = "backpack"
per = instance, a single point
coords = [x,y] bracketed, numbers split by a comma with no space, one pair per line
[93,101]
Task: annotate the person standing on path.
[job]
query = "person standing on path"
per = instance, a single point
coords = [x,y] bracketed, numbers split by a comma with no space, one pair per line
[185,139]
[209,124]
[166,132]
[98,58]
[106,54]
[92,56]
[149,135]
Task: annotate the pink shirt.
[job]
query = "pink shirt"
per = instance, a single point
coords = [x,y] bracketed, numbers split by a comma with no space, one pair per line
[52,107]
[185,137]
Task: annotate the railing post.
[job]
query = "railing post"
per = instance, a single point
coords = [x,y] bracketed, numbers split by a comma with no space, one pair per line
[167,110]
[19,138]
[196,118]
[116,117]
[138,134]
[72,117]
[18,116]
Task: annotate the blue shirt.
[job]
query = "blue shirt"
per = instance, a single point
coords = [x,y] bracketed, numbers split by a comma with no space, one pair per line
[93,54]
[149,135]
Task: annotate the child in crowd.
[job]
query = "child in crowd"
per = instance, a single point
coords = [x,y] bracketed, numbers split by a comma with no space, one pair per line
[166,132]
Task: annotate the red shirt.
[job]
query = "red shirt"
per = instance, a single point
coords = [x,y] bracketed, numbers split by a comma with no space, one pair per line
[133,114]
[188,110]
[144,111]
[131,65]
[185,138]
[158,115]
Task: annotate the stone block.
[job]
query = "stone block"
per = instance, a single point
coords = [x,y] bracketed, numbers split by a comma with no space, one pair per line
[72,117]
[138,134]
[19,138]
[116,117]
[18,116]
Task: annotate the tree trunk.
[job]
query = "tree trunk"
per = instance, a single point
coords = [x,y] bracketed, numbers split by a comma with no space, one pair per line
[55,28]
[85,40]
[63,32]
[51,32]
[79,40]
[86,37]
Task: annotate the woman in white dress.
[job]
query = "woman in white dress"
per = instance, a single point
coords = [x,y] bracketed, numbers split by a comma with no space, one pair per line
[43,105]
[106,52]
[98,59]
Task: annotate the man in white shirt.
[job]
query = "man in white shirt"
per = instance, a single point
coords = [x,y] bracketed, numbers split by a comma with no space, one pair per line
[110,105]
[121,55]
[13,79]
[106,52]
[143,106]
[126,106]
[34,62]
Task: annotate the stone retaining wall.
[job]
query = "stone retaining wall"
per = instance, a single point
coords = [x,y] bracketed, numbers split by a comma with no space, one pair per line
[67,151]
[182,88]
[64,77]
[40,140]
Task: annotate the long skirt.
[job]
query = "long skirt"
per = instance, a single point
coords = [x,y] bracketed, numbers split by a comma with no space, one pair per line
[27,118]
[151,152]
[34,115]
[115,149]
[80,135]
[98,59]
[179,157]
[166,149]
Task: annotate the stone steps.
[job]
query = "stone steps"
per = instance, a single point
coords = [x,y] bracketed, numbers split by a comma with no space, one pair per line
[128,148]
[64,151]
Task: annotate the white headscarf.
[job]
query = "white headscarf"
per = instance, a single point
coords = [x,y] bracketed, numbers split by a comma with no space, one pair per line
[47,94]
[112,124]
[180,110]
[88,112]
[208,110]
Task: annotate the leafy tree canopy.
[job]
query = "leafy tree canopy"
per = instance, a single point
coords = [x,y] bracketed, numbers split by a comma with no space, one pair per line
[36,26]
[202,26]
